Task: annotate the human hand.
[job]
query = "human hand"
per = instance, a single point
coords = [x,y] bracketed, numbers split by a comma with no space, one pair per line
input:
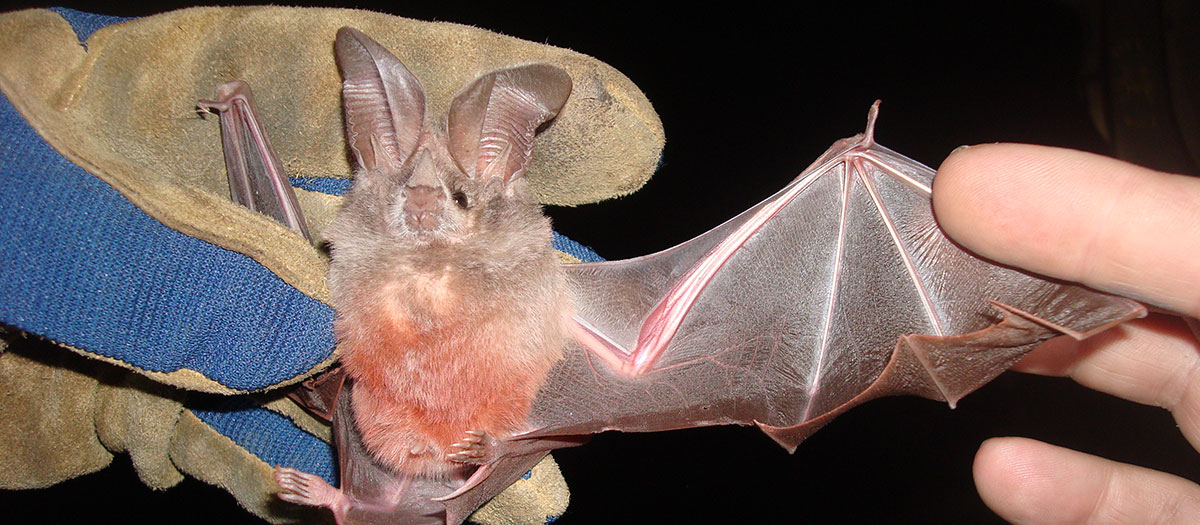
[1116,227]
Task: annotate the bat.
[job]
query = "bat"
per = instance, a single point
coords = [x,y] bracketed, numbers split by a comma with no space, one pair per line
[807,304]
[1023,82]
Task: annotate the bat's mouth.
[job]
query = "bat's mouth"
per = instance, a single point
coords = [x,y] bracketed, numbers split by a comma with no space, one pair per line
[424,223]
[431,237]
[425,237]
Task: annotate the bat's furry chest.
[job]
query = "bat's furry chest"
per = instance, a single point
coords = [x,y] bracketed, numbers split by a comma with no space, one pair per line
[429,337]
[432,359]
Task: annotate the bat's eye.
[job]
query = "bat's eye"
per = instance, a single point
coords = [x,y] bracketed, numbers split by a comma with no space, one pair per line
[460,199]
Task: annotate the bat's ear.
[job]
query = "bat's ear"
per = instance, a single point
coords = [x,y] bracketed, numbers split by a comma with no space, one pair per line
[384,102]
[492,123]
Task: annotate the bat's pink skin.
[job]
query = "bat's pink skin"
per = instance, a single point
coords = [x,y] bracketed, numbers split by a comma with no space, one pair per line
[303,488]
[870,299]
[261,186]
[838,289]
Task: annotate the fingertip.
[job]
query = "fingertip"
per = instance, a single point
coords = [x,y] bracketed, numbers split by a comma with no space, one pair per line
[973,194]
[989,476]
[1076,216]
[953,188]
[1000,470]
[1025,480]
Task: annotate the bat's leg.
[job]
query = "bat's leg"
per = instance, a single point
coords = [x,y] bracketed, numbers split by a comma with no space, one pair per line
[303,488]
[256,177]
[480,448]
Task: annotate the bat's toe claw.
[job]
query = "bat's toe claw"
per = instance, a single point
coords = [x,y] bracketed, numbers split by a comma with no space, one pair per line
[303,488]
[476,447]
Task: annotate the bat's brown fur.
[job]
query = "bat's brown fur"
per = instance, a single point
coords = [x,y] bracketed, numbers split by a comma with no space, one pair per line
[452,326]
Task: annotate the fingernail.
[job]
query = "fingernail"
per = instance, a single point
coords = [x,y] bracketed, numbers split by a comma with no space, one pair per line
[960,148]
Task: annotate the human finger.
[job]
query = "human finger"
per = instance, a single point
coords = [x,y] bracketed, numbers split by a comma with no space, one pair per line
[1077,216]
[1153,361]
[1027,481]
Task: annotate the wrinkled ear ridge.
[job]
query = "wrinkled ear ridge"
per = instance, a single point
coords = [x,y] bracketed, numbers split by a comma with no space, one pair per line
[384,103]
[493,121]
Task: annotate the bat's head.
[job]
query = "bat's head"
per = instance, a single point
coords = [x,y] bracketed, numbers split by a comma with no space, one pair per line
[437,243]
[441,181]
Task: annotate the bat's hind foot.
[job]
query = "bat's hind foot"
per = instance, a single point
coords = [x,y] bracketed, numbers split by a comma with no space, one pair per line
[476,448]
[303,488]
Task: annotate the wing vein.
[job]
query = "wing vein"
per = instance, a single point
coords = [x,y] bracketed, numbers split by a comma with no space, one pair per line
[814,381]
[909,265]
[898,174]
[663,322]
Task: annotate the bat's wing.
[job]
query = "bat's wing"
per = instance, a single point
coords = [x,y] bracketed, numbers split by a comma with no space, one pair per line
[837,289]
[256,177]
[258,182]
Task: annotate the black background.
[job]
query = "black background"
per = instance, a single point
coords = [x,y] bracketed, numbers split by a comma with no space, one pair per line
[750,96]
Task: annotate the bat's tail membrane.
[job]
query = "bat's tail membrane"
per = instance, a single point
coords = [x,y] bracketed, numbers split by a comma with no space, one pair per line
[256,177]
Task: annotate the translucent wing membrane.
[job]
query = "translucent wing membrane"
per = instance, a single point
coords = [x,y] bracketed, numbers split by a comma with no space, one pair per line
[837,289]
[256,177]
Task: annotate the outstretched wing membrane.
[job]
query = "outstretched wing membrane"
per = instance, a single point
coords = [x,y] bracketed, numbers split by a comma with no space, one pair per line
[837,289]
